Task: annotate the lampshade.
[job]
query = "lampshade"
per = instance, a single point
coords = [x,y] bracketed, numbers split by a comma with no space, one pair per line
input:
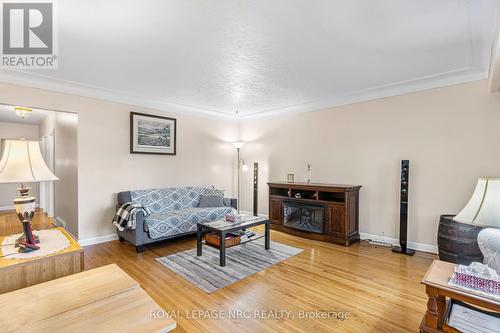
[238,144]
[483,207]
[22,162]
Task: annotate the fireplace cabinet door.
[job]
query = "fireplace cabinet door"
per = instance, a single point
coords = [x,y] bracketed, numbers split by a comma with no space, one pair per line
[335,225]
[276,211]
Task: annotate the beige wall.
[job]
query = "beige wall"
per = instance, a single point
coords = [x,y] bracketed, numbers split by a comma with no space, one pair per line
[105,165]
[450,135]
[16,131]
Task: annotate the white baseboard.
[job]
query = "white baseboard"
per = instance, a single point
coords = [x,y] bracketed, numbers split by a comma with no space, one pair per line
[251,213]
[394,241]
[97,239]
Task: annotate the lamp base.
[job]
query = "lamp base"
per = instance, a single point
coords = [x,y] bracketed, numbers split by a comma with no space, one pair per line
[27,247]
[25,210]
[22,239]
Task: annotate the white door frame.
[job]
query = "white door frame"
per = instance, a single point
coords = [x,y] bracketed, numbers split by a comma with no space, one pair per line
[47,197]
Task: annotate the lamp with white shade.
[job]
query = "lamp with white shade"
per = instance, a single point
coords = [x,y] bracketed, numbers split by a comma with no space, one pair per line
[241,165]
[22,162]
[483,208]
[483,211]
[238,145]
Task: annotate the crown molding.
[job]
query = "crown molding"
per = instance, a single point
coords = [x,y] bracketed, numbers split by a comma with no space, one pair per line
[455,77]
[38,81]
[441,80]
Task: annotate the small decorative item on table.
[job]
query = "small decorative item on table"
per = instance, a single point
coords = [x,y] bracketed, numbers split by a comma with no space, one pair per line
[477,276]
[290,178]
[488,240]
[233,218]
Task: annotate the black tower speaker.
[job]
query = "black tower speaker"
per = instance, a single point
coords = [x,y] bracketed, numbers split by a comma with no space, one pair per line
[255,189]
[403,211]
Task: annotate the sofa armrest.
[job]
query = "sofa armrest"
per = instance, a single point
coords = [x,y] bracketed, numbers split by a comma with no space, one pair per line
[140,222]
[135,236]
[124,197]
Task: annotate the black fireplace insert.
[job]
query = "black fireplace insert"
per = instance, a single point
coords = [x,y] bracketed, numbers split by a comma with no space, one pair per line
[304,216]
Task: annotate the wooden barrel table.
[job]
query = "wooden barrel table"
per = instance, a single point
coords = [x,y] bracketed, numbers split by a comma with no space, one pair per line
[457,242]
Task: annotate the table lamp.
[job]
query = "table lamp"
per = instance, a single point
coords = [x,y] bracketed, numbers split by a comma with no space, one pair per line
[22,162]
[483,209]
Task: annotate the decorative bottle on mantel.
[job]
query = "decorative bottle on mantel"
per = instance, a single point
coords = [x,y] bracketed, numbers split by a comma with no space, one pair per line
[308,174]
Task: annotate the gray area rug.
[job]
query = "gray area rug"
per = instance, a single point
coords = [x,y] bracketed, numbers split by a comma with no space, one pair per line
[241,261]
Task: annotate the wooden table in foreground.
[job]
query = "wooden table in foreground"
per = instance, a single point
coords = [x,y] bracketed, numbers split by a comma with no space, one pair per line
[437,289]
[21,273]
[103,299]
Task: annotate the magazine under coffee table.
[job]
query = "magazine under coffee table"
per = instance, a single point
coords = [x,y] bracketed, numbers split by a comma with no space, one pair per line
[223,227]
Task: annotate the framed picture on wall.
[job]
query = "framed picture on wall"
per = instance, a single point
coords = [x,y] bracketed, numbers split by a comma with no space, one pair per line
[151,134]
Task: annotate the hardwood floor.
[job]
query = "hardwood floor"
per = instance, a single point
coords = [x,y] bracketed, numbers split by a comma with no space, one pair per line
[381,290]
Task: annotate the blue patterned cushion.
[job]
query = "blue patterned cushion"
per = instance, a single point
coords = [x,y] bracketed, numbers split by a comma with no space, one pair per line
[182,221]
[212,191]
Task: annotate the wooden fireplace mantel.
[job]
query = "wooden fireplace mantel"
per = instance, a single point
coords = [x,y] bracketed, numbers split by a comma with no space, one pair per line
[341,209]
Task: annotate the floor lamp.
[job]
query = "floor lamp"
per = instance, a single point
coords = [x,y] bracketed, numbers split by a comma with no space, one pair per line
[242,166]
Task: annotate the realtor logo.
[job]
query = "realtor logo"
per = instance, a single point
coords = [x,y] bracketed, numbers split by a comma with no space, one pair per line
[28,35]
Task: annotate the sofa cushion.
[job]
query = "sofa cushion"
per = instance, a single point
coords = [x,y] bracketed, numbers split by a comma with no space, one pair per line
[183,220]
[211,201]
[210,190]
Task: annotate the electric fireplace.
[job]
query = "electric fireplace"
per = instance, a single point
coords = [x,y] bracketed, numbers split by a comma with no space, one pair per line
[324,212]
[304,216]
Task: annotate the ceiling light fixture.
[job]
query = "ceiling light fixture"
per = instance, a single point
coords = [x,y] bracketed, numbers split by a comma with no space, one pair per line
[22,111]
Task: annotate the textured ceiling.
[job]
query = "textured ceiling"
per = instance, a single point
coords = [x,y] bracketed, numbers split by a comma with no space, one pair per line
[262,57]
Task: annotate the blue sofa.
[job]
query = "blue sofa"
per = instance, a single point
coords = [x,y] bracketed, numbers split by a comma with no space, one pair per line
[173,212]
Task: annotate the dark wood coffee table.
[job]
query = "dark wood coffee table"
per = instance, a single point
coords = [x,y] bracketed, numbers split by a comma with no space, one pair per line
[223,227]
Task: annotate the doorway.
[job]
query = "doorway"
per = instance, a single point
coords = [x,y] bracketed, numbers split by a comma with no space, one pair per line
[57,134]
